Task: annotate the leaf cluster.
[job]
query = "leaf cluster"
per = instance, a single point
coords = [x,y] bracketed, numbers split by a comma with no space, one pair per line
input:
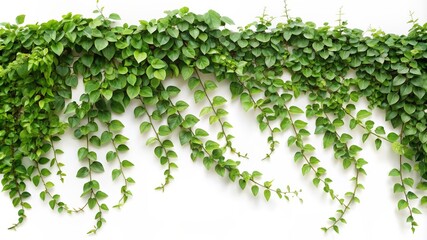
[42,64]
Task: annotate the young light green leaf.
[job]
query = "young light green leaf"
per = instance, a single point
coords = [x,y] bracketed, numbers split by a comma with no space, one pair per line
[295,110]
[218,101]
[328,139]
[267,194]
[127,164]
[402,204]
[115,174]
[20,19]
[305,169]
[114,16]
[255,190]
[363,114]
[139,56]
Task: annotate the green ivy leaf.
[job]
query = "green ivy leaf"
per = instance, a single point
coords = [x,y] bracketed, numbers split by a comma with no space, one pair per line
[267,194]
[164,130]
[189,52]
[20,19]
[213,19]
[158,63]
[270,61]
[295,110]
[100,44]
[305,169]
[328,139]
[392,137]
[202,62]
[394,173]
[199,95]
[398,80]
[187,72]
[82,172]
[378,143]
[402,204]
[139,56]
[255,190]
[57,48]
[174,121]
[100,195]
[115,174]
[246,101]
[110,156]
[82,153]
[363,114]
[144,127]
[116,126]
[218,101]
[114,16]
[109,52]
[160,74]
[392,98]
[97,167]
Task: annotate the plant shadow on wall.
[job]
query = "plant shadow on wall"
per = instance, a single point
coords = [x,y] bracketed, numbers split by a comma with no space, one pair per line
[41,64]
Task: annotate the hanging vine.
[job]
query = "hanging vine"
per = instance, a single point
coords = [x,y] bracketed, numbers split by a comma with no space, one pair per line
[42,64]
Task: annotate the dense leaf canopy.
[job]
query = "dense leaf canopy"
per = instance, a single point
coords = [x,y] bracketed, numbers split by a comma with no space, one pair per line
[334,67]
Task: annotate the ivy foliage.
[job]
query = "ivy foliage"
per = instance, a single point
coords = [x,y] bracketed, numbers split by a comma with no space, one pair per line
[42,64]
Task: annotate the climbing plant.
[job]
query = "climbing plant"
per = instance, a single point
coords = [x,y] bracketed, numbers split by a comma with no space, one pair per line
[146,64]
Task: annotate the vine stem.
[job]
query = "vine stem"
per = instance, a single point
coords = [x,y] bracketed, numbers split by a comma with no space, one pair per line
[18,191]
[43,181]
[228,142]
[334,196]
[413,224]
[286,10]
[160,142]
[356,184]
[124,195]
[267,121]
[347,206]
[92,193]
[58,165]
[21,201]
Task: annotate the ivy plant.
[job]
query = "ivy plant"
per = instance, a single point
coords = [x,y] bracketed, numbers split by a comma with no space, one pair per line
[41,65]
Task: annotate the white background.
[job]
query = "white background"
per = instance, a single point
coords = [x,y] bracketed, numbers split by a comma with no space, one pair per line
[199,204]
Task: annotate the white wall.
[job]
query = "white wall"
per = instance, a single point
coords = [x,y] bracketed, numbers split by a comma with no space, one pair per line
[199,204]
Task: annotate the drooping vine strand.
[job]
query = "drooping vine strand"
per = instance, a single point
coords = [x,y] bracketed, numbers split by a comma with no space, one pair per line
[349,158]
[41,65]
[91,189]
[161,151]
[116,126]
[263,117]
[55,160]
[404,184]
[214,107]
